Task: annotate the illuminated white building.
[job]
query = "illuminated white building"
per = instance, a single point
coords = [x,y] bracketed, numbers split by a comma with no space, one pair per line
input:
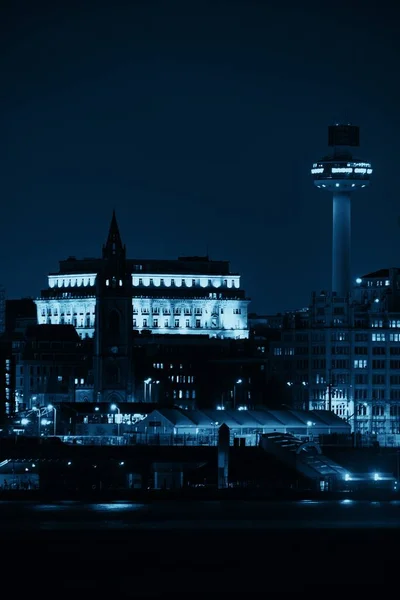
[190,295]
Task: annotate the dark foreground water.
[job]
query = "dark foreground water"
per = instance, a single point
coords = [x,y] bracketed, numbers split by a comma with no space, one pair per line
[197,549]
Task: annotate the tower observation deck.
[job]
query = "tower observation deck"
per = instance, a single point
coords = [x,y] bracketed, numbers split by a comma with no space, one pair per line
[341,173]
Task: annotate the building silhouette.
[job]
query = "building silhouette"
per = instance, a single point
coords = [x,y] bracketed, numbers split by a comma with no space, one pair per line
[112,364]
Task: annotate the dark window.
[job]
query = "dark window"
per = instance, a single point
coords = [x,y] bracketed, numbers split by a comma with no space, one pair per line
[113,322]
[112,373]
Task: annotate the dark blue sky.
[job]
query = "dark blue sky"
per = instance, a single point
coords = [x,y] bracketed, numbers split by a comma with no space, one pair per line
[197,121]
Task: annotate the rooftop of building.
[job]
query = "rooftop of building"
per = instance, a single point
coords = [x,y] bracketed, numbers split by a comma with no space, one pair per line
[377,274]
[258,418]
[184,265]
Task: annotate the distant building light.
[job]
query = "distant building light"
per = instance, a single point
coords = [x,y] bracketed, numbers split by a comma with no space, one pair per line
[337,184]
[376,477]
[316,171]
[309,423]
[220,407]
[342,170]
[353,185]
[358,280]
[376,300]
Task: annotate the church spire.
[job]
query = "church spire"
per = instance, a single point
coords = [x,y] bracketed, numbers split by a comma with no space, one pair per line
[113,246]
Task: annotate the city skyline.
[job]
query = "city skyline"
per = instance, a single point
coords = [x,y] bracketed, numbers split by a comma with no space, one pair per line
[199,128]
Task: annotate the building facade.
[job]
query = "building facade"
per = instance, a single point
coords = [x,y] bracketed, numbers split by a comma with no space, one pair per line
[2,309]
[190,295]
[344,354]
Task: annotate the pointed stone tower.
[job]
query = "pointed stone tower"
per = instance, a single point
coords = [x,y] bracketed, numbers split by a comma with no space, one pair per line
[113,374]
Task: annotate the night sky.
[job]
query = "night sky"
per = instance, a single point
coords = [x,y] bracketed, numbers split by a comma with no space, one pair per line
[199,122]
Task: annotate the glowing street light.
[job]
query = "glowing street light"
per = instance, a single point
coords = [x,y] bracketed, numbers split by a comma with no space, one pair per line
[215,423]
[114,407]
[39,414]
[53,408]
[237,382]
[147,389]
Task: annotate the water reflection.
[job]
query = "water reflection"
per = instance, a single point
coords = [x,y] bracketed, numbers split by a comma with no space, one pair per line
[51,507]
[72,505]
[116,507]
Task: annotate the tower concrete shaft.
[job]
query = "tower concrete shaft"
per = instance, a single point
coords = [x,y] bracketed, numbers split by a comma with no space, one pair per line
[341,244]
[341,174]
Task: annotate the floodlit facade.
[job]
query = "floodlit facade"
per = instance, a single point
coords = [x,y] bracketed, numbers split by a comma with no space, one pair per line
[190,295]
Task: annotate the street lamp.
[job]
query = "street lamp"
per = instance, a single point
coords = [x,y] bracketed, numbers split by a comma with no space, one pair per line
[51,407]
[216,423]
[147,382]
[115,407]
[39,412]
[238,382]
[309,424]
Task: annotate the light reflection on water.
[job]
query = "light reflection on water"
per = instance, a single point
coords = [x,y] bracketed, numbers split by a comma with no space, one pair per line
[116,507]
[103,507]
[50,507]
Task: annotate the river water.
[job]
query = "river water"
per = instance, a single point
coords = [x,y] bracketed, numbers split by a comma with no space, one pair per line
[196,549]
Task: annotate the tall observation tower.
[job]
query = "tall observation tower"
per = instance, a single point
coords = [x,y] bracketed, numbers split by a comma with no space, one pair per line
[341,173]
